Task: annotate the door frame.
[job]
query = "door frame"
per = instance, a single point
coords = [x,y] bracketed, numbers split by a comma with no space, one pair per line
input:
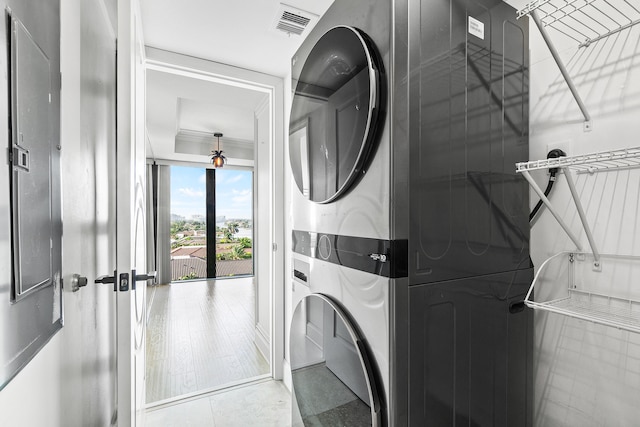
[273,87]
[130,215]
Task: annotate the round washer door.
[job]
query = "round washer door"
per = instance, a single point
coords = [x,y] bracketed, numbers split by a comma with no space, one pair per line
[334,114]
[332,376]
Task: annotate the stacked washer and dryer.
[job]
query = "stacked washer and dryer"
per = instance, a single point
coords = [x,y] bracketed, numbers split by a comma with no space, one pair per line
[410,242]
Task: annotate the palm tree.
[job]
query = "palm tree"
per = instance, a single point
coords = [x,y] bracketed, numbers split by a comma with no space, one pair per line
[237,252]
[232,228]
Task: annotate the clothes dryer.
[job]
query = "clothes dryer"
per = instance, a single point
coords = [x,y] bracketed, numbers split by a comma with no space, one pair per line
[410,236]
[336,125]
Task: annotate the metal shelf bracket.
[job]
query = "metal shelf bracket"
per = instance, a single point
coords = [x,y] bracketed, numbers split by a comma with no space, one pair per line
[563,70]
[591,163]
[586,22]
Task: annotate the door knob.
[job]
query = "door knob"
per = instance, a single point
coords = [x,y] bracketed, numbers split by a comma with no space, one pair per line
[123,282]
[77,282]
[108,279]
[140,277]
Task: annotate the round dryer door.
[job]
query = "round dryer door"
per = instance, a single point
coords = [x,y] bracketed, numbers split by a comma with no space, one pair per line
[333,380]
[334,114]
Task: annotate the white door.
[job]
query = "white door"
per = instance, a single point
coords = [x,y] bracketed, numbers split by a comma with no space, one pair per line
[130,215]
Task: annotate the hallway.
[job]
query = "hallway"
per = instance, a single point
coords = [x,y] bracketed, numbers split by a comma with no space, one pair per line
[200,337]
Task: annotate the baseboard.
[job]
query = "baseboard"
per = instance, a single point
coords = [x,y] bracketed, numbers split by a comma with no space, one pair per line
[263,343]
[287,381]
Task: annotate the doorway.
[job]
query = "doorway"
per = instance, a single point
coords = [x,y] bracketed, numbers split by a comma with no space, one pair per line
[183,81]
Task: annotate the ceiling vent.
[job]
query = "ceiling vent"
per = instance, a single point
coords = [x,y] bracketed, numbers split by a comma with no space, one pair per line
[291,20]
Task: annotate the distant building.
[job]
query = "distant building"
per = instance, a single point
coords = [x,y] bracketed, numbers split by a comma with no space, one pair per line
[176,217]
[189,252]
[198,218]
[184,267]
[191,261]
[244,232]
[197,268]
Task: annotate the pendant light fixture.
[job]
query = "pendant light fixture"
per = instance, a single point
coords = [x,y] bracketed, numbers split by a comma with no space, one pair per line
[217,158]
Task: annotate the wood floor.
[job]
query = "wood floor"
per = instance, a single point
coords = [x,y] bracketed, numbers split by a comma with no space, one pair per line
[200,335]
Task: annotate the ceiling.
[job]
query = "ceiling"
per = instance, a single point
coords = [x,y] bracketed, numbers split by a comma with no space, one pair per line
[237,33]
[240,33]
[177,103]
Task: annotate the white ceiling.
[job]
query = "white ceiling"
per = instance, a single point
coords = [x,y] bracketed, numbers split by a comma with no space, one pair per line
[234,32]
[238,33]
[176,102]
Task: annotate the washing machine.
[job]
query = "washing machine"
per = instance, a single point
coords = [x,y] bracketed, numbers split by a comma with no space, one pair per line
[340,330]
[409,226]
[340,235]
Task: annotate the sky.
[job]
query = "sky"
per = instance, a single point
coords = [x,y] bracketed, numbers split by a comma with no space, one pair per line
[233,192]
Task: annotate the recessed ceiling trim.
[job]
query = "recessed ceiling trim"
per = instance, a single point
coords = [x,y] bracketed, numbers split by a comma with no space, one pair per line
[236,164]
[208,138]
[202,143]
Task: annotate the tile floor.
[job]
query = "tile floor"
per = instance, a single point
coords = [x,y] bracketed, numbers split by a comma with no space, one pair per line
[264,404]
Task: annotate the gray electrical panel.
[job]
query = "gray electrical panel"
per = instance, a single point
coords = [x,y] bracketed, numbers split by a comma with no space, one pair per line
[31,163]
[30,187]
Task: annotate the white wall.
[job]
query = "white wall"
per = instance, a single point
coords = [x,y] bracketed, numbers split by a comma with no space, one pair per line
[288,188]
[264,254]
[72,379]
[587,374]
[41,382]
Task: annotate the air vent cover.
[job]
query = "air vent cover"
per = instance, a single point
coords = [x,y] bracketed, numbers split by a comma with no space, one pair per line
[291,20]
